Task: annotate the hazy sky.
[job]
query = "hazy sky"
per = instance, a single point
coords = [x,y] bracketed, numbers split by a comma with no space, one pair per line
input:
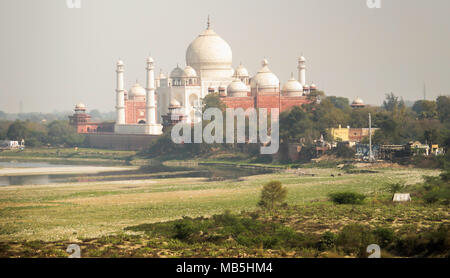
[53,57]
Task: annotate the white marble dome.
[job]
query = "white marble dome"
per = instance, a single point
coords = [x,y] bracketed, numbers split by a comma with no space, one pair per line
[241,71]
[189,72]
[80,106]
[265,79]
[358,101]
[293,87]
[136,91]
[210,53]
[237,89]
[177,72]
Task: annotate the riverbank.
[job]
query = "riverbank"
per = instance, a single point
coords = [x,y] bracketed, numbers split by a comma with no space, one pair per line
[29,171]
[74,155]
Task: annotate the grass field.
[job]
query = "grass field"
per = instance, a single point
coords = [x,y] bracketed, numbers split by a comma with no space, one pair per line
[70,213]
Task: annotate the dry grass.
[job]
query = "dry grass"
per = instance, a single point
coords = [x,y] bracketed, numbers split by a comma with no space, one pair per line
[94,209]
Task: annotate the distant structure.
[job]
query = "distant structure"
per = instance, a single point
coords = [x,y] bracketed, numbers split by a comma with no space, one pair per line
[351,135]
[401,197]
[12,145]
[358,103]
[175,97]
[208,70]
[82,121]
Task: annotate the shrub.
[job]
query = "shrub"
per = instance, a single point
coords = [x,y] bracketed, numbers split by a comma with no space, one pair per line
[185,228]
[430,243]
[347,198]
[327,241]
[343,151]
[395,187]
[354,239]
[273,194]
[385,236]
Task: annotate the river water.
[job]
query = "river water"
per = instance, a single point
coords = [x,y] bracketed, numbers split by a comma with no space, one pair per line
[213,173]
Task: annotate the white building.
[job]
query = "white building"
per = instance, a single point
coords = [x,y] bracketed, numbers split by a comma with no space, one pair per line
[208,69]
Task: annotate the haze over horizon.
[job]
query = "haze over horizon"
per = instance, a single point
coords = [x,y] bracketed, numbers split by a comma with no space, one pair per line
[54,57]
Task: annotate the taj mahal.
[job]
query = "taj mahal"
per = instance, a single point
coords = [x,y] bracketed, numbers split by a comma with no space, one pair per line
[209,69]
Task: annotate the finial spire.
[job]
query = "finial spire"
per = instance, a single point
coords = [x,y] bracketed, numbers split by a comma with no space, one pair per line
[208,24]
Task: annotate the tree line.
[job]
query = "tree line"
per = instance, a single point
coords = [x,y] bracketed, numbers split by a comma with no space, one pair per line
[36,134]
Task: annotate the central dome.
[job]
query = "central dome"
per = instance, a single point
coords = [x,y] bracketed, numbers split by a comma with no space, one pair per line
[209,52]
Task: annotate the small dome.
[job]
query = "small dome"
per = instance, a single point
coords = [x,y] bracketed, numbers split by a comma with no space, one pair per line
[292,86]
[177,72]
[306,87]
[313,86]
[175,103]
[120,63]
[237,88]
[150,60]
[241,71]
[189,72]
[136,91]
[358,101]
[162,75]
[80,106]
[265,79]
[301,59]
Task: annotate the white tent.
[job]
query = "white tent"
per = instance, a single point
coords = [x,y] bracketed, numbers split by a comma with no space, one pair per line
[402,197]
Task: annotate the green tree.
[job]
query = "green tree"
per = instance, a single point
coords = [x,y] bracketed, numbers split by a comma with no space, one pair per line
[343,151]
[340,102]
[295,125]
[272,195]
[4,126]
[61,133]
[17,131]
[443,108]
[393,103]
[213,100]
[425,109]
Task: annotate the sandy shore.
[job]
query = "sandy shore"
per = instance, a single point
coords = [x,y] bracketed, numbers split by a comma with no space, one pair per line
[60,170]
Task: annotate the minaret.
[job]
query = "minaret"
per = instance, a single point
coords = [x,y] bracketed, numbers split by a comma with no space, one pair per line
[120,101]
[150,88]
[302,70]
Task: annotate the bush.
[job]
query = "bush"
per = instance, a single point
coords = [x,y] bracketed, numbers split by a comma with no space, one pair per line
[385,236]
[327,241]
[354,239]
[347,198]
[272,195]
[343,151]
[431,243]
[186,228]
